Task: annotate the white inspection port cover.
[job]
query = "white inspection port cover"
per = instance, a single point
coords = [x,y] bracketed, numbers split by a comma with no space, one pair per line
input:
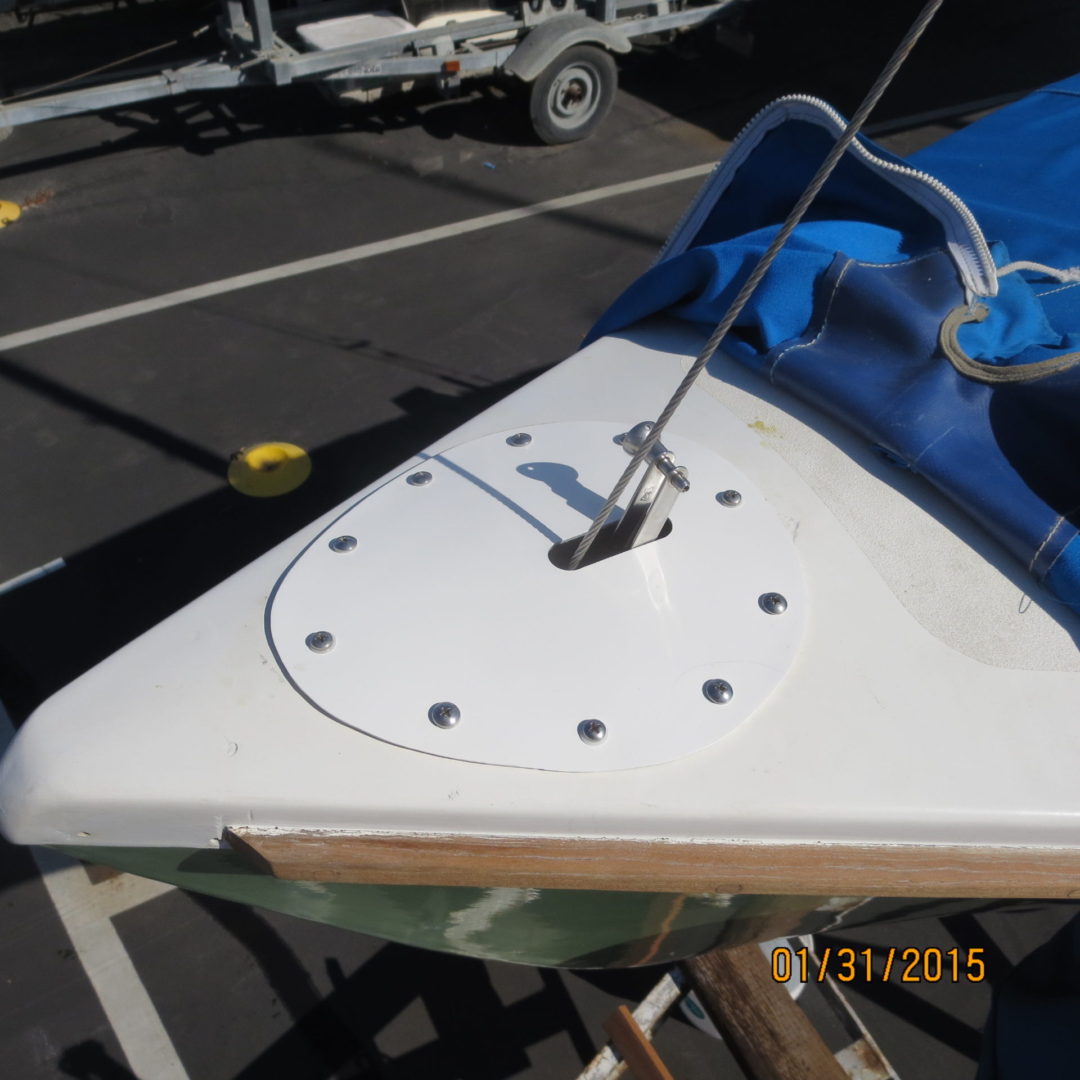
[448,596]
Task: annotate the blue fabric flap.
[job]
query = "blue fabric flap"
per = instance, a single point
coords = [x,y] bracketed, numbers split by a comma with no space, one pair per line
[849,315]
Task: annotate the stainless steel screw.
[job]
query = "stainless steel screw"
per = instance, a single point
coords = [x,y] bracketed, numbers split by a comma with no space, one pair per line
[343,543]
[522,438]
[418,479]
[773,602]
[592,731]
[444,714]
[320,641]
[731,497]
[718,691]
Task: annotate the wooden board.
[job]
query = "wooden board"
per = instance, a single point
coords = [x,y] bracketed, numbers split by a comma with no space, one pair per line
[634,1047]
[657,866]
[770,1036]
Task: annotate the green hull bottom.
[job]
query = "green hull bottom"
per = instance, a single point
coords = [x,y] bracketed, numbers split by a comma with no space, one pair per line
[539,927]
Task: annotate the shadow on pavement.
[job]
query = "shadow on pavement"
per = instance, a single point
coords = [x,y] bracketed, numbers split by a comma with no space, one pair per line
[90,1061]
[110,593]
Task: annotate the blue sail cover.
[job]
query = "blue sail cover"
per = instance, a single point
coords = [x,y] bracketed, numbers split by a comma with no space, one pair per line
[849,316]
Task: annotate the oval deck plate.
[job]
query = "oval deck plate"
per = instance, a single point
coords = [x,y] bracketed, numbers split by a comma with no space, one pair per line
[449,596]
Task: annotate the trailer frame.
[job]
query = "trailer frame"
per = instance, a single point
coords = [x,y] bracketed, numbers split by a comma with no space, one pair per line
[522,42]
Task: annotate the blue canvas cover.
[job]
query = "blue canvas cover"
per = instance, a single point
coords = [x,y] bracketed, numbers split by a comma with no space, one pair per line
[850,315]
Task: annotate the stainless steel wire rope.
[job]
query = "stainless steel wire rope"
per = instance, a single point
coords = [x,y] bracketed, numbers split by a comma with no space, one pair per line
[759,271]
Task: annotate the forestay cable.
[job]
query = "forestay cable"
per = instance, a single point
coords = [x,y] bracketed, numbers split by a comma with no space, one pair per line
[759,271]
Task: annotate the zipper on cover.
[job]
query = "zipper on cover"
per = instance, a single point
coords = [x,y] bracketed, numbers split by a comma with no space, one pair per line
[984,268]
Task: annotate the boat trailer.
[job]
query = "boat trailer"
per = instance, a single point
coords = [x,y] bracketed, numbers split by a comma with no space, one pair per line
[561,49]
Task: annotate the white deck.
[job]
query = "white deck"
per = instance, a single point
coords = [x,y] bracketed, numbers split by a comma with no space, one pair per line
[931,700]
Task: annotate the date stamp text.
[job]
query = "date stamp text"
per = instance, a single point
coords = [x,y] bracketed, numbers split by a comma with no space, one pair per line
[910,965]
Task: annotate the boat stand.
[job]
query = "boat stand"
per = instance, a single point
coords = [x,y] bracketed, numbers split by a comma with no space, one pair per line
[767,1032]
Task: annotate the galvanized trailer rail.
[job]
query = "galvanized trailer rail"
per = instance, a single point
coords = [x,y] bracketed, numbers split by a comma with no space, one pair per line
[564,52]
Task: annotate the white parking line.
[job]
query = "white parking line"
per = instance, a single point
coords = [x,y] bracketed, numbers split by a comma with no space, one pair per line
[118,894]
[86,911]
[127,1006]
[338,258]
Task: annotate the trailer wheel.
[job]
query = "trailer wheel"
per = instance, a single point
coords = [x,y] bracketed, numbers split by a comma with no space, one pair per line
[573,94]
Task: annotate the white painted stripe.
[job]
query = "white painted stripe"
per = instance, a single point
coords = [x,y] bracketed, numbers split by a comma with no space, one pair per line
[339,258]
[127,1005]
[118,894]
[31,575]
[124,1000]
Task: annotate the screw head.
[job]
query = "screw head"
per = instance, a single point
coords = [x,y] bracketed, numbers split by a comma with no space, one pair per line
[418,479]
[522,438]
[773,602]
[320,641]
[342,544]
[592,731]
[731,497]
[718,691]
[444,714]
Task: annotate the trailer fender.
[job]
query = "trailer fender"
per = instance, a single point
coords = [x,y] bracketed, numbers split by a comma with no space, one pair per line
[555,36]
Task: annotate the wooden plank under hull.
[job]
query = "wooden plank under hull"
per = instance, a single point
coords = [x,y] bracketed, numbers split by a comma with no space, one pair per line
[907,870]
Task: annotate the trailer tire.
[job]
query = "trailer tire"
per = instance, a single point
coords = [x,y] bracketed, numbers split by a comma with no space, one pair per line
[572,95]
